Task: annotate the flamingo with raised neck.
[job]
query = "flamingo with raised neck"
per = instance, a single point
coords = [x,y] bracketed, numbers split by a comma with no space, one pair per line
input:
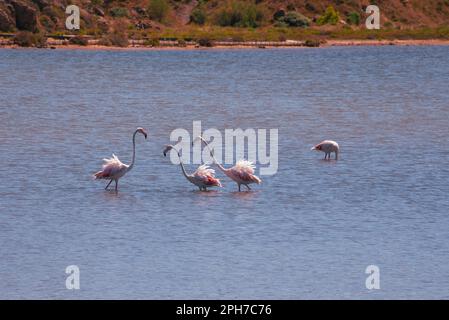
[113,169]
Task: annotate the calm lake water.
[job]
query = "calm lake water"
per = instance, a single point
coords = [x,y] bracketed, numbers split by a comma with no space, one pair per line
[309,231]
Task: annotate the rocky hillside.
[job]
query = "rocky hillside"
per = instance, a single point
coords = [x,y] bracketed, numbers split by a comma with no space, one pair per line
[99,17]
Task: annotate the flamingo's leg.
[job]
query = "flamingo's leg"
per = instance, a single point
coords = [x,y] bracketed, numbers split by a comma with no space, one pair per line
[239,187]
[108,185]
[247,187]
[116,185]
[336,155]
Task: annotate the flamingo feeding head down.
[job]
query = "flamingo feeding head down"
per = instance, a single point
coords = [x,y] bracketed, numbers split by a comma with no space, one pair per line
[203,177]
[242,173]
[113,169]
[328,146]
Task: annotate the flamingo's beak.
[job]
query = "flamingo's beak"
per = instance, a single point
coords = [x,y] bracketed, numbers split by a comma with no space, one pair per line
[167,149]
[142,131]
[313,148]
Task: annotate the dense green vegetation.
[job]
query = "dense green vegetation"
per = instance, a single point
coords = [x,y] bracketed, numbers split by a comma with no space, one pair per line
[330,16]
[240,14]
[291,19]
[198,16]
[158,9]
[353,18]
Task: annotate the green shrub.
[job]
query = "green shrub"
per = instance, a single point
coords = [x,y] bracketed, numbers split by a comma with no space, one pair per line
[330,16]
[198,16]
[182,43]
[158,9]
[115,39]
[29,39]
[205,42]
[119,12]
[292,19]
[81,41]
[312,43]
[240,14]
[154,42]
[353,18]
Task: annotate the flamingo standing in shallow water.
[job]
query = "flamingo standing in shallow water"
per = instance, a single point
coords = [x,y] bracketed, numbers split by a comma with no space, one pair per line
[328,146]
[114,169]
[241,173]
[203,177]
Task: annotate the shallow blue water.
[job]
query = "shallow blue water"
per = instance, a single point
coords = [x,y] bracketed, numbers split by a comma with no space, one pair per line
[307,232]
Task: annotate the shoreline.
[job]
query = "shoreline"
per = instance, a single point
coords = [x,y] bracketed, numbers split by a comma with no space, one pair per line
[247,45]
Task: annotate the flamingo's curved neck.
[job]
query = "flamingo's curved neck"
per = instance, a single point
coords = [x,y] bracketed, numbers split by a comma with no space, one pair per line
[182,168]
[184,172]
[213,157]
[134,151]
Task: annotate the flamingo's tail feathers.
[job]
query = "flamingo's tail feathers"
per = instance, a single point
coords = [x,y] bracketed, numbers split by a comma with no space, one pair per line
[101,175]
[214,182]
[257,180]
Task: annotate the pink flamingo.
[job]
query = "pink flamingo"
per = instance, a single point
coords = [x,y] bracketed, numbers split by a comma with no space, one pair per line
[328,146]
[114,169]
[241,173]
[203,177]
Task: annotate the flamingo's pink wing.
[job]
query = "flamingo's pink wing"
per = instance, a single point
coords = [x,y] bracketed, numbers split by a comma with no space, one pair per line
[111,167]
[244,170]
[245,166]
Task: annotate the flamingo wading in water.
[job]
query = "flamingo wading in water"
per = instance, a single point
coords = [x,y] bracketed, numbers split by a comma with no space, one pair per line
[203,177]
[241,173]
[328,146]
[114,169]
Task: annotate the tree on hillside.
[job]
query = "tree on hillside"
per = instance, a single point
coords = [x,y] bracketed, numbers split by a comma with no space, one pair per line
[330,16]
